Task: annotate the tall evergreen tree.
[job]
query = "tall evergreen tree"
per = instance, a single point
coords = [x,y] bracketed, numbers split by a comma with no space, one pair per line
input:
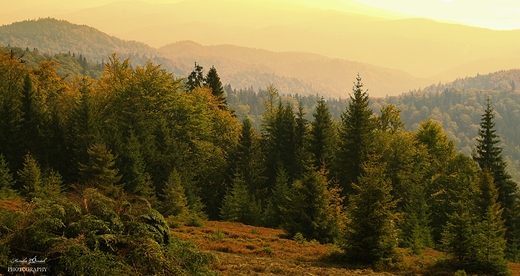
[371,234]
[302,158]
[322,136]
[488,155]
[212,80]
[355,137]
[249,160]
[196,78]
[280,145]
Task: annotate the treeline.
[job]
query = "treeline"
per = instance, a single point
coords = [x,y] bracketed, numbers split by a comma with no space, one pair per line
[457,106]
[105,154]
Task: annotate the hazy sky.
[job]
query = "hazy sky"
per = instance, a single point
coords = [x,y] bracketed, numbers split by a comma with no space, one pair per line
[494,14]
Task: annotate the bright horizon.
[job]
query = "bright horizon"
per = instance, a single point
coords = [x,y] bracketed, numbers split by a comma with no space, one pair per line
[492,14]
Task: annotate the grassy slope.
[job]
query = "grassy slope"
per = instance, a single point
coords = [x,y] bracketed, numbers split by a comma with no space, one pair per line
[251,250]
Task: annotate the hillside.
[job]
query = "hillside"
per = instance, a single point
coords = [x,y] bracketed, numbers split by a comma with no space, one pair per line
[51,36]
[292,72]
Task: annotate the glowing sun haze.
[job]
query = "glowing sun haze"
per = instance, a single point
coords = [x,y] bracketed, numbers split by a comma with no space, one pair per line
[492,14]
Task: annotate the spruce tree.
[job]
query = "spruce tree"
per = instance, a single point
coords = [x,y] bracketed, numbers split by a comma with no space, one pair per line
[174,201]
[488,155]
[31,178]
[100,170]
[492,231]
[248,160]
[313,208]
[278,203]
[371,234]
[212,80]
[457,210]
[238,205]
[280,148]
[355,137]
[195,79]
[322,136]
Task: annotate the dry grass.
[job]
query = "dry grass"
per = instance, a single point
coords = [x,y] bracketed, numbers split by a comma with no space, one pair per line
[251,250]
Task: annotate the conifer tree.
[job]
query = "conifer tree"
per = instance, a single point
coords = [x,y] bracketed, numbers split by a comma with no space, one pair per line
[355,137]
[314,208]
[132,164]
[492,231]
[322,136]
[196,78]
[371,235]
[100,171]
[302,157]
[280,145]
[53,185]
[174,201]
[249,160]
[31,177]
[33,116]
[278,203]
[488,155]
[212,80]
[460,213]
[84,120]
[238,205]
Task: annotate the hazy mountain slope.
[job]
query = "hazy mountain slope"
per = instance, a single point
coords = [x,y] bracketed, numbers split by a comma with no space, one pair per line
[291,72]
[53,36]
[242,67]
[418,46]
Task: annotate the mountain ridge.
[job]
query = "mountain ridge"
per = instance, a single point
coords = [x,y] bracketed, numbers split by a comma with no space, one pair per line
[291,72]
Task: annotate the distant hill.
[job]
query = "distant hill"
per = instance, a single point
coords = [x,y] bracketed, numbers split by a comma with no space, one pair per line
[52,36]
[292,72]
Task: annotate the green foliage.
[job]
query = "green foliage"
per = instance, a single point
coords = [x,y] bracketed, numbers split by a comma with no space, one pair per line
[174,201]
[314,208]
[248,160]
[212,80]
[280,147]
[488,155]
[31,177]
[100,171]
[355,135]
[238,205]
[371,234]
[6,180]
[322,136]
[279,202]
[89,233]
[195,79]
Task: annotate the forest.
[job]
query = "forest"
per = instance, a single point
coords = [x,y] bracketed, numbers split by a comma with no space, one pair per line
[95,171]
